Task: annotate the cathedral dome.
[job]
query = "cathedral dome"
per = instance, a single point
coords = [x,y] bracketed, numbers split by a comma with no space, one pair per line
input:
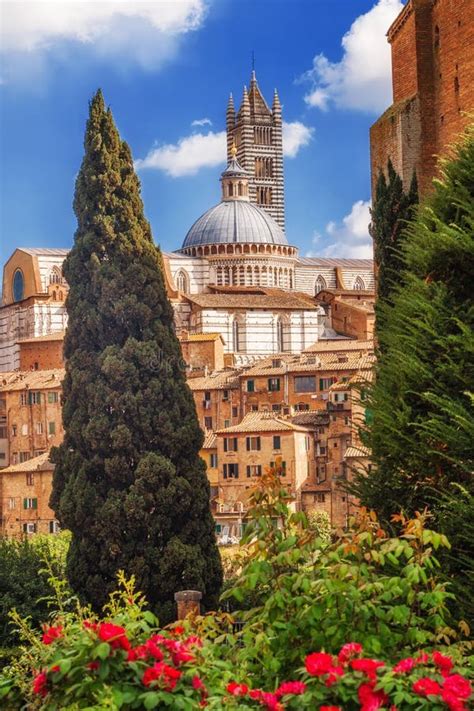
[236,221]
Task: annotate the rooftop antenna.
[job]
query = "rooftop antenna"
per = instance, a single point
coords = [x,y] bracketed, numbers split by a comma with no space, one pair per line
[253,60]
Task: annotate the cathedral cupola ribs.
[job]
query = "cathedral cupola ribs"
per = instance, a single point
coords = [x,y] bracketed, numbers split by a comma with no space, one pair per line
[256,131]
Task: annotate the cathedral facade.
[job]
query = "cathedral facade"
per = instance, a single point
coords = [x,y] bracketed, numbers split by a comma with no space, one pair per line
[236,273]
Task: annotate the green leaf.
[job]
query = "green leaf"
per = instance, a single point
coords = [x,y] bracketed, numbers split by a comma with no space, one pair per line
[151,700]
[102,651]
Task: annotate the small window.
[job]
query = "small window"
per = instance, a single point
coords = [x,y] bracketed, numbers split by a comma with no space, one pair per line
[208,423]
[273,384]
[320,498]
[29,528]
[39,428]
[276,442]
[14,430]
[54,527]
[30,503]
[253,444]
[231,471]
[225,394]
[281,466]
[254,470]
[18,286]
[230,444]
[305,383]
[51,428]
[11,503]
[24,456]
[207,396]
[30,479]
[226,423]
[235,412]
[213,460]
[250,386]
[276,407]
[24,430]
[53,397]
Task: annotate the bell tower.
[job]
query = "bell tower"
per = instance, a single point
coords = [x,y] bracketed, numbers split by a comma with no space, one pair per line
[256,131]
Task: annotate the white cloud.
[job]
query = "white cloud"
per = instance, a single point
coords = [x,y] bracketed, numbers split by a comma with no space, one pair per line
[349,238]
[187,156]
[361,80]
[202,122]
[143,31]
[207,150]
[295,136]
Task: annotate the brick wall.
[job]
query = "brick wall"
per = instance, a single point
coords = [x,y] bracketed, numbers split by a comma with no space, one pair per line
[42,355]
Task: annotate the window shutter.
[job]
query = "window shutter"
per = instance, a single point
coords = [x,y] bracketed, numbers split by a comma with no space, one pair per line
[258,443]
[35,503]
[25,503]
[225,444]
[248,470]
[247,439]
[321,386]
[235,444]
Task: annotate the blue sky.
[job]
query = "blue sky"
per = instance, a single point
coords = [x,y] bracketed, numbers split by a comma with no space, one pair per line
[166,65]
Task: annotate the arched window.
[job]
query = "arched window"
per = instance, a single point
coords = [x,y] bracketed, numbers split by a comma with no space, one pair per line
[283,335]
[55,277]
[279,336]
[319,285]
[359,284]
[182,282]
[18,286]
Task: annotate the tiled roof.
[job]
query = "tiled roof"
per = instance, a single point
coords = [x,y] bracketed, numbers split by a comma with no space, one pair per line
[283,300]
[347,292]
[210,440]
[263,422]
[333,346]
[219,380]
[39,463]
[359,451]
[31,379]
[299,364]
[198,337]
[358,305]
[45,251]
[329,262]
[55,336]
[341,385]
[311,419]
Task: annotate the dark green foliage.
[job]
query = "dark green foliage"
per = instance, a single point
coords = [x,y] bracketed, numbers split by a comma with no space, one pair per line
[22,586]
[128,482]
[392,209]
[423,426]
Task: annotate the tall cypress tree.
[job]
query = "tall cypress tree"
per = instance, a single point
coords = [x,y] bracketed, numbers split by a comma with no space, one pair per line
[128,480]
[422,399]
[392,208]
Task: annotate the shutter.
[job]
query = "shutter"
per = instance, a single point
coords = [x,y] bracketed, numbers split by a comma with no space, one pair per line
[321,387]
[225,471]
[25,503]
[236,470]
[248,471]
[235,444]
[225,444]
[247,440]
[35,503]
[258,443]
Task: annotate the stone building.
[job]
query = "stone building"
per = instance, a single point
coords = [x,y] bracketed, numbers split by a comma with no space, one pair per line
[24,495]
[433,88]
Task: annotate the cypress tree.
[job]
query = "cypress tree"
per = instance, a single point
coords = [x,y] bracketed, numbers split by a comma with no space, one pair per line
[392,208]
[422,429]
[128,482]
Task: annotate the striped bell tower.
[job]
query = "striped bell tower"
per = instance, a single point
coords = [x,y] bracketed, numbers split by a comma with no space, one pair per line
[257,132]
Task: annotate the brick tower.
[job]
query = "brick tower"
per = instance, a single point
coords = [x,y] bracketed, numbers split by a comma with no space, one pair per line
[257,132]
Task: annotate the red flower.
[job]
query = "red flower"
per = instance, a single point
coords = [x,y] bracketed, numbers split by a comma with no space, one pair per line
[404,665]
[444,664]
[40,684]
[319,663]
[422,658]
[367,666]
[237,689]
[458,686]
[349,650]
[93,666]
[166,675]
[88,625]
[177,630]
[255,694]
[426,687]
[333,674]
[114,635]
[52,633]
[370,699]
[140,652]
[291,687]
[270,701]
[330,708]
[151,647]
[197,683]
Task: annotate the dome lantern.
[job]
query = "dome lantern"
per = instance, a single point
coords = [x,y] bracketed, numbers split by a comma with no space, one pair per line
[234,179]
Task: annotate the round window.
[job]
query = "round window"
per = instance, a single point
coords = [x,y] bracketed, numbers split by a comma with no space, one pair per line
[18,285]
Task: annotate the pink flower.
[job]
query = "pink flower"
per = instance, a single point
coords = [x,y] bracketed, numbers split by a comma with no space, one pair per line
[444,664]
[50,634]
[319,663]
[367,666]
[291,687]
[114,635]
[40,684]
[404,665]
[349,650]
[426,687]
[237,689]
[370,699]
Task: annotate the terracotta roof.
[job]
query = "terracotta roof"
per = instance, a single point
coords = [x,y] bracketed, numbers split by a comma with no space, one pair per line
[311,419]
[333,346]
[299,364]
[56,336]
[199,337]
[358,305]
[219,380]
[210,440]
[263,422]
[283,300]
[347,292]
[31,379]
[45,251]
[341,385]
[39,463]
[359,451]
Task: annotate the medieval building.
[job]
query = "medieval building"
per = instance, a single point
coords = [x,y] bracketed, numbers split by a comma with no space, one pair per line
[433,88]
